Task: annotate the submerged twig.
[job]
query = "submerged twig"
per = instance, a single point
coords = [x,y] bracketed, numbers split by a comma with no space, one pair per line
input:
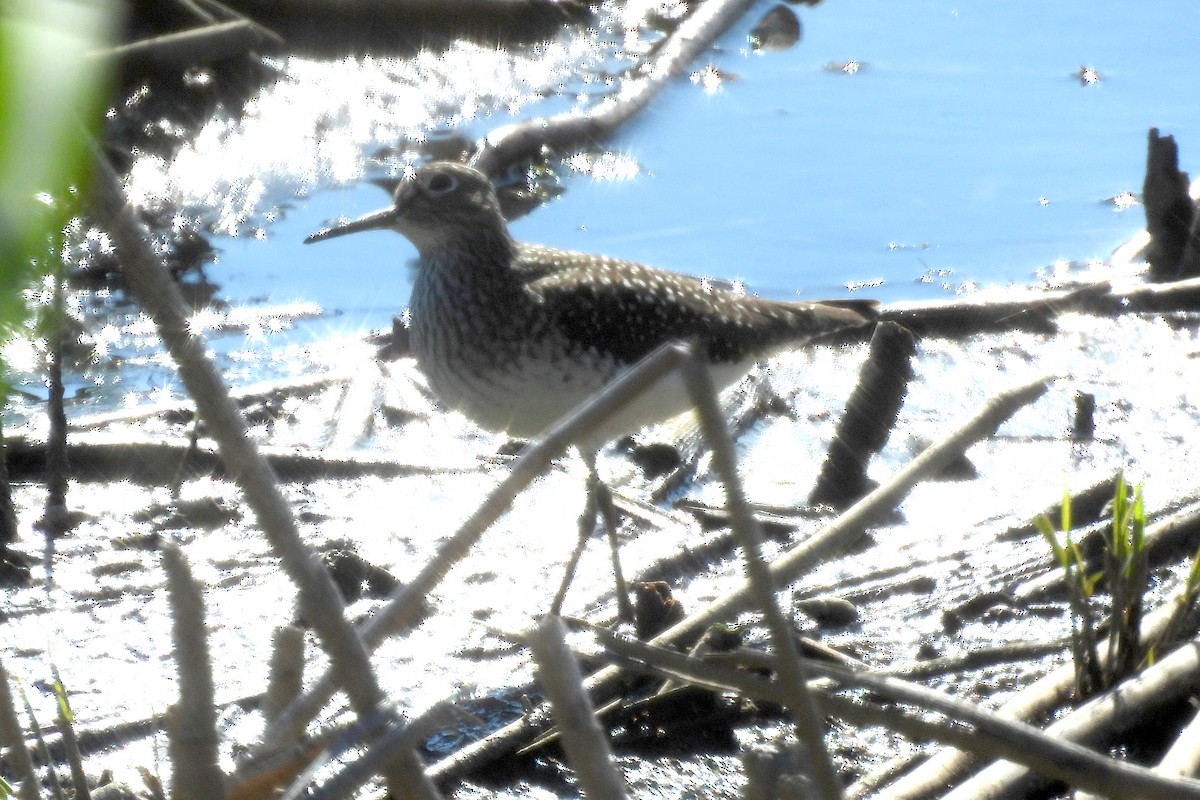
[869,417]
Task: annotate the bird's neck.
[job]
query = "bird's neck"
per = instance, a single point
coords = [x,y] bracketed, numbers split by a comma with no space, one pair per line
[471,264]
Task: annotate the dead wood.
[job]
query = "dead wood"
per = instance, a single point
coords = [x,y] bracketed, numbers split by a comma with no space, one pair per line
[1035,311]
[1098,723]
[1036,701]
[192,739]
[868,419]
[1169,213]
[520,142]
[982,731]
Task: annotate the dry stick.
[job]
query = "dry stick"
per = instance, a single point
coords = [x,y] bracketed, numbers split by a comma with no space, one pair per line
[405,603]
[286,676]
[1168,681]
[192,739]
[990,734]
[843,532]
[1037,700]
[11,736]
[522,141]
[582,737]
[148,458]
[806,715]
[319,600]
[243,396]
[54,522]
[976,659]
[197,46]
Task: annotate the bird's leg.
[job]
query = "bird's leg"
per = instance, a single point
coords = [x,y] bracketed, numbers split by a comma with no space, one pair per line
[598,507]
[587,524]
[612,521]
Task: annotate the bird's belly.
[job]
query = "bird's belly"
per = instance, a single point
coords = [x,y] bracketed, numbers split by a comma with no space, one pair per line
[526,392]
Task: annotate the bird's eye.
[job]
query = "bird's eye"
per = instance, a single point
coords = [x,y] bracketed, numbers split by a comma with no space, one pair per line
[441,183]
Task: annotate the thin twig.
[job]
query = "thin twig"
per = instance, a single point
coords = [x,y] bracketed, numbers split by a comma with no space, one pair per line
[192,739]
[996,736]
[582,737]
[806,715]
[521,141]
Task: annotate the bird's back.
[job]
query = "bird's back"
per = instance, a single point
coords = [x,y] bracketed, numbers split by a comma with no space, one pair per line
[626,309]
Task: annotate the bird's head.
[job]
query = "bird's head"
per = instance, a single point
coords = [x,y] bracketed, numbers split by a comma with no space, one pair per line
[434,207]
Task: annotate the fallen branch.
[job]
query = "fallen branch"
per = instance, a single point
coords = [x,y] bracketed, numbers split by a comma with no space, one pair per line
[987,732]
[523,141]
[1167,683]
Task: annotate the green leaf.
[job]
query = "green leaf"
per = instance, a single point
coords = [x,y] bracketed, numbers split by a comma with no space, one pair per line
[52,89]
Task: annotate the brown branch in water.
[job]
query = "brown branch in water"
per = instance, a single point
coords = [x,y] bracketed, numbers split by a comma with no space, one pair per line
[869,417]
[522,141]
[1170,212]
[106,456]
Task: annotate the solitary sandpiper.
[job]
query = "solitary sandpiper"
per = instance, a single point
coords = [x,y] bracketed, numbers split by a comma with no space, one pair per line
[516,335]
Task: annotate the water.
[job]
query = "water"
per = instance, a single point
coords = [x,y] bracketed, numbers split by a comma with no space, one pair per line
[965,152]
[911,151]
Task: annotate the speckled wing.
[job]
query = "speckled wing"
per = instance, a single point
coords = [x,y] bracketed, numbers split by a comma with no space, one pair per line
[626,310]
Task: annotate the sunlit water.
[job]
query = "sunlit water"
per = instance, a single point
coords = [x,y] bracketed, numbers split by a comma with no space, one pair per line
[901,152]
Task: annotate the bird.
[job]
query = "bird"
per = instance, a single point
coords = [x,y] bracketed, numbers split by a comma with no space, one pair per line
[516,335]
